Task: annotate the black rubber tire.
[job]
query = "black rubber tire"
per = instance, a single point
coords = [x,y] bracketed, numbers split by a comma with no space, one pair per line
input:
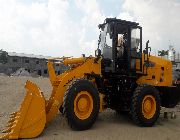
[122,112]
[136,105]
[68,105]
[61,109]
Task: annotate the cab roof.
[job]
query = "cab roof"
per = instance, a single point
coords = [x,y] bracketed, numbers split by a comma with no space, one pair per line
[120,21]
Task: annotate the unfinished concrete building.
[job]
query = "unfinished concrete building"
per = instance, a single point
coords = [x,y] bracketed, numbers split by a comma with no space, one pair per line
[34,64]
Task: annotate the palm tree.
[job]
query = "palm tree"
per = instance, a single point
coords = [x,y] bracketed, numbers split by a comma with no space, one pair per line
[162,53]
[3,56]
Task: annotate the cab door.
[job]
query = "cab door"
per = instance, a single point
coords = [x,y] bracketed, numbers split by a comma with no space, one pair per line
[136,49]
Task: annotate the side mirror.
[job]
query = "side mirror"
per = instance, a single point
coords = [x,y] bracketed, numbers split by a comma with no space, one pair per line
[147,49]
[98,53]
[83,55]
[147,43]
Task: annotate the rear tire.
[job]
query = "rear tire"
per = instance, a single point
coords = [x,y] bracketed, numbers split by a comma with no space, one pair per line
[81,104]
[145,105]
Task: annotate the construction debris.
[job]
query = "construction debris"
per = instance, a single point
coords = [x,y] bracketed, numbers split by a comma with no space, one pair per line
[21,72]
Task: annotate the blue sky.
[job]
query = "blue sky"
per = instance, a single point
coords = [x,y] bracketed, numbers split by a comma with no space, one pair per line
[108,6]
[111,6]
[69,27]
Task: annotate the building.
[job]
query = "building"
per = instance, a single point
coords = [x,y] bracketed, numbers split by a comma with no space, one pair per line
[171,53]
[177,57]
[34,64]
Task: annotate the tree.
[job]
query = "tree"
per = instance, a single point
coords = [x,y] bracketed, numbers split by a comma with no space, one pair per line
[162,53]
[3,56]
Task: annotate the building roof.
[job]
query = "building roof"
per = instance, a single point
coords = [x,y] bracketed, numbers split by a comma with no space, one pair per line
[28,55]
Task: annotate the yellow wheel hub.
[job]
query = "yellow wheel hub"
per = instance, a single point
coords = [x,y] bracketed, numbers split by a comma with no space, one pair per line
[149,106]
[83,105]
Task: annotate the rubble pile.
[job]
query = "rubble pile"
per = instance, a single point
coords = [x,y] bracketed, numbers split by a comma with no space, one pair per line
[21,72]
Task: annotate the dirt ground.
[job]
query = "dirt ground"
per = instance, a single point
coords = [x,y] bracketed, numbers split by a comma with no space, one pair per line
[108,126]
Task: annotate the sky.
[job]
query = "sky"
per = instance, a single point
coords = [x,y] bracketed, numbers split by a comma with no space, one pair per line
[70,27]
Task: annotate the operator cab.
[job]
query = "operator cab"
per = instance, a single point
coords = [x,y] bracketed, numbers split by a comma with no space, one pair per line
[120,43]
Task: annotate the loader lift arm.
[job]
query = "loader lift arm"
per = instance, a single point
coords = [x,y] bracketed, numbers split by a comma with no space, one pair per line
[22,125]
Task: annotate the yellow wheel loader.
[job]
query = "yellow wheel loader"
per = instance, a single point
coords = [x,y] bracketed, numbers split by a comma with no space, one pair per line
[121,76]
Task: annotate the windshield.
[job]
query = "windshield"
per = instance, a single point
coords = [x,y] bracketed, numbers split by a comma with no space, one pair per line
[106,42]
[135,40]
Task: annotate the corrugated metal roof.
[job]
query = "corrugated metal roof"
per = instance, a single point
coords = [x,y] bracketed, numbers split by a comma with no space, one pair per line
[28,55]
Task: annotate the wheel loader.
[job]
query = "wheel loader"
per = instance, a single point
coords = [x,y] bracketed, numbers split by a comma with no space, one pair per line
[122,76]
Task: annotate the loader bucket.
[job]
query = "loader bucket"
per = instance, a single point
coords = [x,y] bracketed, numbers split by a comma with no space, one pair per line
[30,120]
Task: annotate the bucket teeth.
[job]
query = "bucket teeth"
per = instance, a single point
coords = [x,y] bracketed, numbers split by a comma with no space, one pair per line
[14,113]
[4,136]
[11,120]
[10,125]
[29,121]
[6,130]
[11,117]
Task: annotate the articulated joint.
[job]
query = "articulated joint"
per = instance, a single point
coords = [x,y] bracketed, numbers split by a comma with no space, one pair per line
[102,103]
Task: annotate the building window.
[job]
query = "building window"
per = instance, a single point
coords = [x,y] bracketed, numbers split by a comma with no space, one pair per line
[37,62]
[15,60]
[26,61]
[28,70]
[39,72]
[45,71]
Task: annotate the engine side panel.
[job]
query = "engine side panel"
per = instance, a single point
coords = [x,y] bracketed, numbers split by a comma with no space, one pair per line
[159,72]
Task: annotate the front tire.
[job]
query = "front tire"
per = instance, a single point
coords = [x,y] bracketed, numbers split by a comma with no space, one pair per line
[81,104]
[145,105]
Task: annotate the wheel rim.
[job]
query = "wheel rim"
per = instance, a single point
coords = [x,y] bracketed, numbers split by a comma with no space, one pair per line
[83,105]
[149,106]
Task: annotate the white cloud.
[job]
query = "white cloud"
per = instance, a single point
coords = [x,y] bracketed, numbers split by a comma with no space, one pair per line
[125,16]
[160,20]
[92,17]
[46,26]
[39,28]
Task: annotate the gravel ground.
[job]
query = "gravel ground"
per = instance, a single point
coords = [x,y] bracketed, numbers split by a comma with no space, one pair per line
[109,125]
